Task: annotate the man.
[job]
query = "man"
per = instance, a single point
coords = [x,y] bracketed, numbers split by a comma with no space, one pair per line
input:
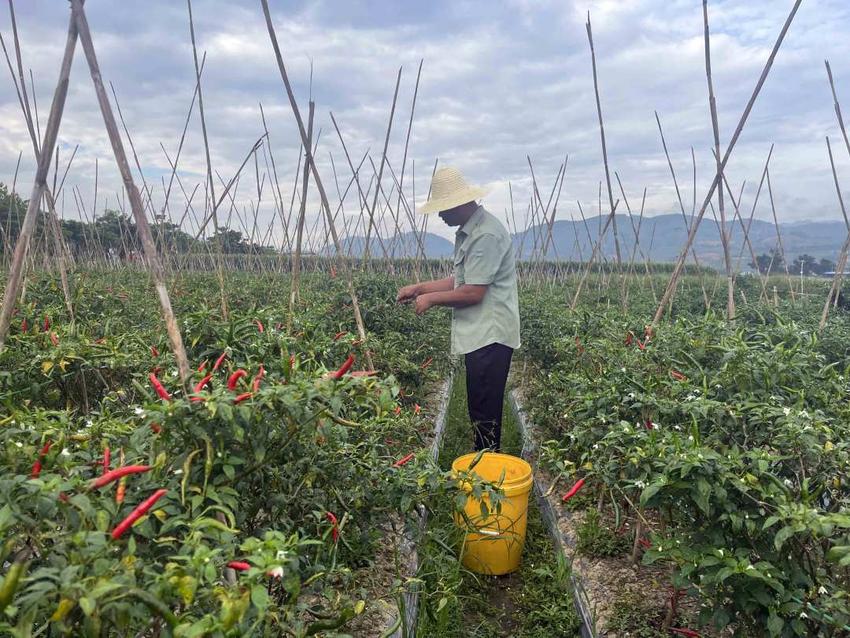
[482,293]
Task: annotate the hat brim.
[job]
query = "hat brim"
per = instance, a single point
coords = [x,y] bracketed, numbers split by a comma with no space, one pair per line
[456,199]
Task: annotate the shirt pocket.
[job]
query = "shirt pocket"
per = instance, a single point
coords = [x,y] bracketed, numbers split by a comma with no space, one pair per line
[457,268]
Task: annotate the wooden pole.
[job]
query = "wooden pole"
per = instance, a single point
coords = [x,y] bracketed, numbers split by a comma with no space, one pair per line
[142,227]
[680,262]
[355,303]
[724,236]
[51,131]
[302,213]
[604,146]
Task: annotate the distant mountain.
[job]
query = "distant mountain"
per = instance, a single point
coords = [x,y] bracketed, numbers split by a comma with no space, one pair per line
[663,236]
[661,239]
[404,245]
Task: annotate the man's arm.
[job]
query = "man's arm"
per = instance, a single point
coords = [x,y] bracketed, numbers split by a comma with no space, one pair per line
[460,297]
[411,292]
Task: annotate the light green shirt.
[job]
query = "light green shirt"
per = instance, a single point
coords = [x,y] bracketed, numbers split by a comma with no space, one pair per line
[484,255]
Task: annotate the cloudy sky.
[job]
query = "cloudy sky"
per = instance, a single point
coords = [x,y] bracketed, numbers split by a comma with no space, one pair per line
[500,81]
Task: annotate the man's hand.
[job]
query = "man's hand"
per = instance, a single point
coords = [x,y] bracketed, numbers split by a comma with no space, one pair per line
[407,293]
[422,304]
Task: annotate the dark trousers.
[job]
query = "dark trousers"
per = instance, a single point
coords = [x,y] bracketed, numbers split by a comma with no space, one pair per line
[486,375]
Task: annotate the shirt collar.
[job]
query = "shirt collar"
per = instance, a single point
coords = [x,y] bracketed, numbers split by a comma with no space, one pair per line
[471,222]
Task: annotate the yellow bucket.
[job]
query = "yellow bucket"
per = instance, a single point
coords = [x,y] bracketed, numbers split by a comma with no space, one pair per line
[496,546]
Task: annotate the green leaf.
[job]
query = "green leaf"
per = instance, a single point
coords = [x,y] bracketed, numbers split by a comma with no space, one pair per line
[87,605]
[775,624]
[783,535]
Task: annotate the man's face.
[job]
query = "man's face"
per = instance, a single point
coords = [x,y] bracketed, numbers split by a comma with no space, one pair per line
[454,216]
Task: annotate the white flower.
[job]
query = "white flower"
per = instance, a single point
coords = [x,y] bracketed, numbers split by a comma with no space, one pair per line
[822,590]
[596,446]
[178,471]
[174,373]
[89,423]
[281,554]
[19,444]
[804,414]
[803,615]
[640,484]
[65,452]
[139,411]
[787,411]
[276,572]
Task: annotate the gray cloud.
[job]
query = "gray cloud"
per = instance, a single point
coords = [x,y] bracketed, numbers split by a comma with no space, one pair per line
[500,81]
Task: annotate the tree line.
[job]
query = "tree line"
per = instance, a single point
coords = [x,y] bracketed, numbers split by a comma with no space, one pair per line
[773,262]
[113,233]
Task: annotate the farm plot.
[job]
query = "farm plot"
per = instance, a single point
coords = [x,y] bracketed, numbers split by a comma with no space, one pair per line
[251,502]
[711,455]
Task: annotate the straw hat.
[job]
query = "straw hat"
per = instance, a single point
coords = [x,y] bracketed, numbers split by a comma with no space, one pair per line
[449,189]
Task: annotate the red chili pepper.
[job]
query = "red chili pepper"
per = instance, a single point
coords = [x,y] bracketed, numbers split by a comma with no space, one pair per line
[260,328]
[404,460]
[234,378]
[117,473]
[335,529]
[24,325]
[690,633]
[340,335]
[575,488]
[106,459]
[579,347]
[200,384]
[54,339]
[63,497]
[156,427]
[641,345]
[160,389]
[154,351]
[649,424]
[137,513]
[644,543]
[120,491]
[239,566]
[220,360]
[630,336]
[203,365]
[36,467]
[242,397]
[258,378]
[417,408]
[678,375]
[46,325]
[428,362]
[345,367]
[397,410]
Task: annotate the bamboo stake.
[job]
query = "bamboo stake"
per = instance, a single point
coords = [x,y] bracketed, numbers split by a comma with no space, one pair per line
[355,303]
[142,227]
[724,238]
[779,238]
[51,131]
[371,210]
[680,262]
[302,213]
[602,136]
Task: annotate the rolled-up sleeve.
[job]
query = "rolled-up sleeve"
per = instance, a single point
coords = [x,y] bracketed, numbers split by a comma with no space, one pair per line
[483,258]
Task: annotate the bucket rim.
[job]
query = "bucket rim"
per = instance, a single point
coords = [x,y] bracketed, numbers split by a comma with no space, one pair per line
[462,462]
